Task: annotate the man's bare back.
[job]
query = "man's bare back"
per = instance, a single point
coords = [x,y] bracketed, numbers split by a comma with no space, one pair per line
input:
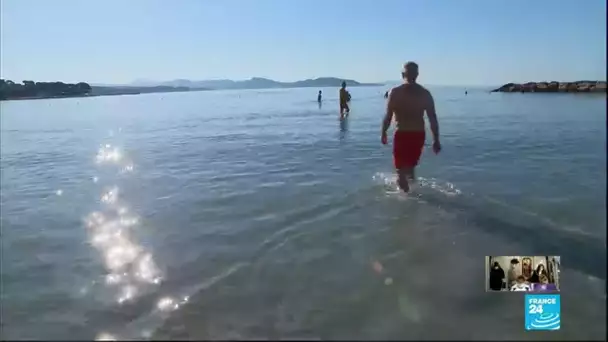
[408,102]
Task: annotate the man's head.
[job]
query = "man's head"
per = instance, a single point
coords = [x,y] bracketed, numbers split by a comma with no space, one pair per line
[343,84]
[521,279]
[410,71]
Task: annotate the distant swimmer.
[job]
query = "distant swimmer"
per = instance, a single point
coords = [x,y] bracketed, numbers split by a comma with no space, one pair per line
[466,92]
[344,99]
[319,97]
[408,103]
[386,95]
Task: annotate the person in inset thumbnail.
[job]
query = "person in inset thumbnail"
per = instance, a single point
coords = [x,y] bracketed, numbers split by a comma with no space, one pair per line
[526,267]
[513,272]
[520,285]
[540,271]
[544,285]
[496,277]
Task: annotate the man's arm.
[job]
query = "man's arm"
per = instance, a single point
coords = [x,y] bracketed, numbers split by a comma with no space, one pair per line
[388,117]
[432,115]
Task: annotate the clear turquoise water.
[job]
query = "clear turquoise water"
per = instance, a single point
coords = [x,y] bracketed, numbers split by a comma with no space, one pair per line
[257,214]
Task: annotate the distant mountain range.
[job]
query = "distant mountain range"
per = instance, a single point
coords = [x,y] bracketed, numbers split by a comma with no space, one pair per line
[253,83]
[99,90]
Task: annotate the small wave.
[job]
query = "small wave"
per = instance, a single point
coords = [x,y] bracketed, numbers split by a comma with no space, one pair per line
[391,184]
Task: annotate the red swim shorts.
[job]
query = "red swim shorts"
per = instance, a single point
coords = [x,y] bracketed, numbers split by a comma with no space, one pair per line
[407,148]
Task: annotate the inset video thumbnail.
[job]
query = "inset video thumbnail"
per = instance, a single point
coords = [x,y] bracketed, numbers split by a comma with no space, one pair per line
[522,273]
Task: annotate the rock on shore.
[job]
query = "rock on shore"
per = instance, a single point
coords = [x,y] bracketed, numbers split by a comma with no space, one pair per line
[554,87]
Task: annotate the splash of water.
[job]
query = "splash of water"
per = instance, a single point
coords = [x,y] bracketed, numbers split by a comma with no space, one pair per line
[389,181]
[108,154]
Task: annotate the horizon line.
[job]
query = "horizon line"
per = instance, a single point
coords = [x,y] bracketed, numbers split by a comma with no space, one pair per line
[379,83]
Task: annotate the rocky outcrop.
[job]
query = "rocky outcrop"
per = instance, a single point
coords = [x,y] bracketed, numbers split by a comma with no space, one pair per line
[554,87]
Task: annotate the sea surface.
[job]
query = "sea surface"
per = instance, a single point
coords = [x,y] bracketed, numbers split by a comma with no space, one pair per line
[258,214]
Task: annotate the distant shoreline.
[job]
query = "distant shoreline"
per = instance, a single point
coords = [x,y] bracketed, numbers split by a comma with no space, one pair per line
[119,91]
[56,97]
[597,87]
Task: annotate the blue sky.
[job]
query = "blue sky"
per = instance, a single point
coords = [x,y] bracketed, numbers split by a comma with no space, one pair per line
[455,42]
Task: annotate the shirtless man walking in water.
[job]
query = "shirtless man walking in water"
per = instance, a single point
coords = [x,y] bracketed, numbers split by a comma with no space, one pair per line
[344,98]
[408,102]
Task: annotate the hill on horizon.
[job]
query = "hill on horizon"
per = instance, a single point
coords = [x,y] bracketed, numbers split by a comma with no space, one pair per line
[253,83]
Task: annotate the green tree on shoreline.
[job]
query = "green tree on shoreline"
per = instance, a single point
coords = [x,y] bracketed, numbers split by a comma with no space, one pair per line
[10,90]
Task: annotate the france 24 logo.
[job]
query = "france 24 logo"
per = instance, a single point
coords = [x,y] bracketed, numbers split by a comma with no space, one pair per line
[542,312]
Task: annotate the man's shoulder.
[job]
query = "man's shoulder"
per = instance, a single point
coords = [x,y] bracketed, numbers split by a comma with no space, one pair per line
[412,87]
[396,90]
[423,89]
[399,87]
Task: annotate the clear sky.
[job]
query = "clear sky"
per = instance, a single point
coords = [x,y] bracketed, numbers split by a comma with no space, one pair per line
[455,42]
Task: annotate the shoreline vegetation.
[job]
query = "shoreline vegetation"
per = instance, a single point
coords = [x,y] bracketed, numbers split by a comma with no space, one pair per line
[553,87]
[30,90]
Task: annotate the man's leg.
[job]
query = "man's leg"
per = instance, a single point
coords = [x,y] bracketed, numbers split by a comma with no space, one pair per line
[411,175]
[415,146]
[407,147]
[402,181]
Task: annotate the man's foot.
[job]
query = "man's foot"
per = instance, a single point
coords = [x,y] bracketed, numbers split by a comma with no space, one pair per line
[403,184]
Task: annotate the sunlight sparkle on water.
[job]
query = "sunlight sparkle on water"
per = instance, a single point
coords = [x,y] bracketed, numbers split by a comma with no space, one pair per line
[110,196]
[128,292]
[130,267]
[108,154]
[146,270]
[105,337]
[113,279]
[128,168]
[167,304]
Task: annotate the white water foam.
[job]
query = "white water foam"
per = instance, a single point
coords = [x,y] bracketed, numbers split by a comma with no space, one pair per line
[389,181]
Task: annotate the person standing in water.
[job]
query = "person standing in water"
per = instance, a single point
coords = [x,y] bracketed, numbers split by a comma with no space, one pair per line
[408,103]
[319,97]
[344,99]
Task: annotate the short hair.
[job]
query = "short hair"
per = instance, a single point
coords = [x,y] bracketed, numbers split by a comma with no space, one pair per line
[410,66]
[522,278]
